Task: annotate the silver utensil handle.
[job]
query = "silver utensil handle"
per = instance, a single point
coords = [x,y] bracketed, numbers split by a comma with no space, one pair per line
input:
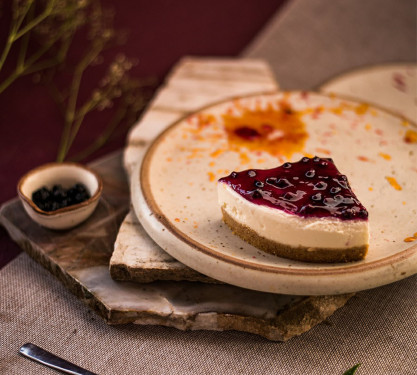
[42,356]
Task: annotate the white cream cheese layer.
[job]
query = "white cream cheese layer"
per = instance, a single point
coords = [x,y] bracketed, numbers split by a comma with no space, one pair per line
[292,230]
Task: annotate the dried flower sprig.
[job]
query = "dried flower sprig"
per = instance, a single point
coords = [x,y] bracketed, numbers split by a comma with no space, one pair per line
[116,89]
[41,32]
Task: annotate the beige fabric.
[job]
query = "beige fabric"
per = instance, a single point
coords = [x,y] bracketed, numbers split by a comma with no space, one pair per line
[311,41]
[377,328]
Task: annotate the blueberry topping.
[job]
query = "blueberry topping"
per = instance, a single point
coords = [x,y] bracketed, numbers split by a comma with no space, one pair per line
[309,194]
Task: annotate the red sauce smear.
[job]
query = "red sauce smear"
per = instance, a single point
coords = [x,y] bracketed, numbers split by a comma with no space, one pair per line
[311,187]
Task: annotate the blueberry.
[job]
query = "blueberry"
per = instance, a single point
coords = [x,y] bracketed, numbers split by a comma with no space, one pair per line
[41,194]
[348,213]
[311,173]
[335,190]
[316,197]
[286,165]
[320,186]
[307,209]
[341,182]
[55,206]
[256,194]
[46,206]
[281,183]
[58,193]
[363,213]
[259,184]
[251,173]
[233,175]
[58,197]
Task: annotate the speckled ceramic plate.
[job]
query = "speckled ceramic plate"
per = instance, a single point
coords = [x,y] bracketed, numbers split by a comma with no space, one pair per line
[174,191]
[391,86]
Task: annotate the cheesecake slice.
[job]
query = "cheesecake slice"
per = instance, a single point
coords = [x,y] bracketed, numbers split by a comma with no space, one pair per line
[303,211]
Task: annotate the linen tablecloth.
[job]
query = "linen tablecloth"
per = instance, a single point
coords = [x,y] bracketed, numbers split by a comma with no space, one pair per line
[306,44]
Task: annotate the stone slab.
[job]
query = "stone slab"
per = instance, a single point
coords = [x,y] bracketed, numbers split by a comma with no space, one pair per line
[80,257]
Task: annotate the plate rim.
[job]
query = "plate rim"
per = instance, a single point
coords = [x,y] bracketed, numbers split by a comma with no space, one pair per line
[144,185]
[362,68]
[321,89]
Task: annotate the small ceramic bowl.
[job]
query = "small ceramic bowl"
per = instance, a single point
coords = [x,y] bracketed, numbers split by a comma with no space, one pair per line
[66,174]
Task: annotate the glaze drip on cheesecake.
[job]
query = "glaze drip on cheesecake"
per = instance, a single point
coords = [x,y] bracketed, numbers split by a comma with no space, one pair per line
[303,211]
[312,187]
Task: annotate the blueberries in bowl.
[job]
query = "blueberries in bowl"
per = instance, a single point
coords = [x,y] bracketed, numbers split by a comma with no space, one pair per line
[59,197]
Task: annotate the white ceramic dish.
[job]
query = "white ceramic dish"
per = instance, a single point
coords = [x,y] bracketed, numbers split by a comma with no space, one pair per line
[65,174]
[391,86]
[174,192]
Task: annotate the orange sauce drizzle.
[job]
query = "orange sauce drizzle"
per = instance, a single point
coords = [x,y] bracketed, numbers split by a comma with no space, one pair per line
[216,153]
[361,109]
[393,182]
[280,132]
[410,136]
[411,239]
[323,151]
[385,156]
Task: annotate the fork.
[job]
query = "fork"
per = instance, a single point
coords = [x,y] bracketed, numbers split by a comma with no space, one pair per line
[40,355]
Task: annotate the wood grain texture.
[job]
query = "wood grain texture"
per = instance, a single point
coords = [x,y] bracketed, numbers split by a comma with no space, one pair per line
[193,83]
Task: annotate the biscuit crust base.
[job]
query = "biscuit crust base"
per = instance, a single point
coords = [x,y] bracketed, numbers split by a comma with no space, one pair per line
[305,254]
